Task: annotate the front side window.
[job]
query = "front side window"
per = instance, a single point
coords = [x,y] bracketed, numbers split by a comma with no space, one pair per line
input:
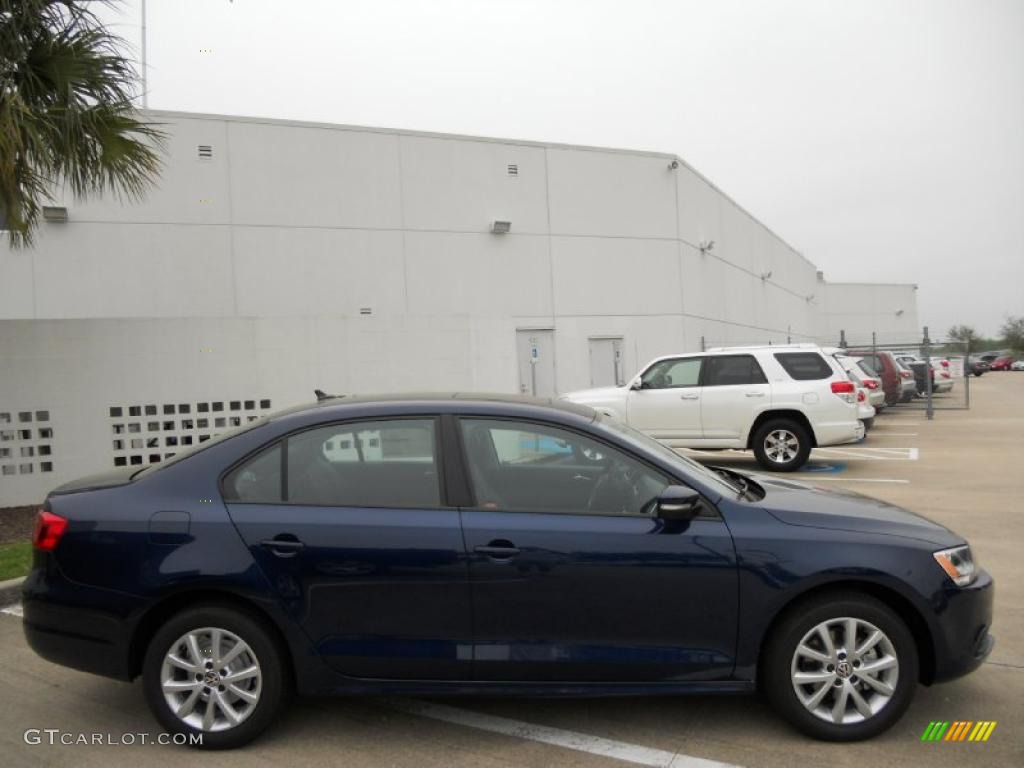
[526,467]
[804,366]
[390,463]
[726,370]
[671,374]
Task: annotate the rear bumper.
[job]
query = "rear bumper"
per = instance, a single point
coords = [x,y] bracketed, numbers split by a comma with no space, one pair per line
[962,641]
[838,432]
[77,631]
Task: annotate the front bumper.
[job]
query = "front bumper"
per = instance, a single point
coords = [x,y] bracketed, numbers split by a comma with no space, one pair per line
[964,616]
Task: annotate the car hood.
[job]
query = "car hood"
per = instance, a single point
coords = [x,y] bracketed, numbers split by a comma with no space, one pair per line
[102,480]
[599,393]
[804,504]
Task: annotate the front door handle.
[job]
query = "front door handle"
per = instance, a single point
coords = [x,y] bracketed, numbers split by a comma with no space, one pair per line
[755,394]
[499,549]
[689,397]
[283,547]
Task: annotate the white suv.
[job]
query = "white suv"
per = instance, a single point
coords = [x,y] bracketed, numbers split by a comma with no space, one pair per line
[780,401]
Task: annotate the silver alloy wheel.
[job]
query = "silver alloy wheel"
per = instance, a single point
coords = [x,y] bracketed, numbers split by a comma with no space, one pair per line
[781,446]
[845,670]
[211,679]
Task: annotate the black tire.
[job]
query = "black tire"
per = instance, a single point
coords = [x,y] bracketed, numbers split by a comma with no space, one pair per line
[271,658]
[868,424]
[777,660]
[978,373]
[794,428]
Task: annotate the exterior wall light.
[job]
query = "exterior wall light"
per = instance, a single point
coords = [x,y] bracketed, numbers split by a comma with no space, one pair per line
[706,245]
[501,227]
[55,213]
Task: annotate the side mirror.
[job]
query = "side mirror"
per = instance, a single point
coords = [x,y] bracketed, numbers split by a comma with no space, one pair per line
[637,384]
[677,502]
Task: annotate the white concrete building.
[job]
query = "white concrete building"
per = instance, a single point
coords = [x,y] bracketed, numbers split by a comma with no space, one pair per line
[275,257]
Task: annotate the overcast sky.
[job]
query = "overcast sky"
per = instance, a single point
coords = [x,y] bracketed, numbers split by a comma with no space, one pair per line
[883,139]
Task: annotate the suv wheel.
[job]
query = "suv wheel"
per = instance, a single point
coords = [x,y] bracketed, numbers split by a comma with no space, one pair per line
[214,671]
[782,445]
[842,668]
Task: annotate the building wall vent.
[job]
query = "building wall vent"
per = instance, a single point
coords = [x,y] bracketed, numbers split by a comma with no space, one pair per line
[513,169]
[204,152]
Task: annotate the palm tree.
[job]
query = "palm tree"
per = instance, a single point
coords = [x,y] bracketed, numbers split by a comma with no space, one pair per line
[66,112]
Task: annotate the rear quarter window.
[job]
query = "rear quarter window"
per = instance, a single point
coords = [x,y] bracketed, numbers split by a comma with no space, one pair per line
[804,366]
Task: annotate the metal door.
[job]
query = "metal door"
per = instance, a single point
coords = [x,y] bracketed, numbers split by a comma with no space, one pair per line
[606,362]
[536,350]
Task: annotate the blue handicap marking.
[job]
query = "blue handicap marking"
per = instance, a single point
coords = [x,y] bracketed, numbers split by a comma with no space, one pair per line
[828,468]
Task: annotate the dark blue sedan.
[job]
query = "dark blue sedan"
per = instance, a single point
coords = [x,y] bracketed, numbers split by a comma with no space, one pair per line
[469,544]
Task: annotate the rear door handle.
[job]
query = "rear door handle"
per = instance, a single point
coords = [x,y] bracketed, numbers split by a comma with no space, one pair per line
[499,550]
[755,394]
[283,547]
[689,397]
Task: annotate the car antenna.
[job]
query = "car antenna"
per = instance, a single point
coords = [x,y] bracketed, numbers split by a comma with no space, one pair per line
[321,395]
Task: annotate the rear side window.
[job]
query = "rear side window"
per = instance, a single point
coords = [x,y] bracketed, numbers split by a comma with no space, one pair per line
[258,480]
[390,463]
[732,369]
[804,366]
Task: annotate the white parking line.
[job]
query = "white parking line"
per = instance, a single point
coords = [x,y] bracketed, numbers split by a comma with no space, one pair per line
[871,454]
[13,610]
[816,478]
[873,433]
[581,742]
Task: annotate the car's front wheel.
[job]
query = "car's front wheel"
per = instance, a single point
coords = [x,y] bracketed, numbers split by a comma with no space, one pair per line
[841,667]
[781,445]
[216,672]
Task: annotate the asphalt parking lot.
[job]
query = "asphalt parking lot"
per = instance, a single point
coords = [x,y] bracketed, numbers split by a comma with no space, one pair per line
[961,469]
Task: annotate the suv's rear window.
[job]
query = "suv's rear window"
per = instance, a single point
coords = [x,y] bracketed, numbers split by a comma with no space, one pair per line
[804,366]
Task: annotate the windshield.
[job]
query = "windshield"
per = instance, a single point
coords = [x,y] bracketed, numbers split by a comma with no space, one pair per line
[233,432]
[637,437]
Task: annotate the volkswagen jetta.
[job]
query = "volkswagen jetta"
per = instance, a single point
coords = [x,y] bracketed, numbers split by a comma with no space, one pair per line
[463,544]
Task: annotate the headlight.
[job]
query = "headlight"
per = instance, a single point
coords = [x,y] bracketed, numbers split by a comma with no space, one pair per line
[958,564]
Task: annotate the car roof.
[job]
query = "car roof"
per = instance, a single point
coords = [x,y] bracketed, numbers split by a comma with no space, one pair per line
[444,402]
[806,347]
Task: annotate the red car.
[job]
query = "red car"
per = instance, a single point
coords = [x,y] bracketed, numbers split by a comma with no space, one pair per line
[1002,363]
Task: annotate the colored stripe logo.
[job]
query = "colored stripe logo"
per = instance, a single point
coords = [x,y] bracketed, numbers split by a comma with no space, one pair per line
[959,730]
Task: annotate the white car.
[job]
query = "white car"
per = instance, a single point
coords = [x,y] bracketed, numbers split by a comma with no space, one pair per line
[870,396]
[1017,365]
[779,401]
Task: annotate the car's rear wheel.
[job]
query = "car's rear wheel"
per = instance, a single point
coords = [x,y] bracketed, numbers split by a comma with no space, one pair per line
[214,671]
[782,445]
[841,667]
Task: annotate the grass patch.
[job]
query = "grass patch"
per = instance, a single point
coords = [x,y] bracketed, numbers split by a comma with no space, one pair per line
[15,559]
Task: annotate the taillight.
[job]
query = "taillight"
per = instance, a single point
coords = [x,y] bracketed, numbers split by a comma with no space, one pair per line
[945,374]
[49,529]
[871,383]
[861,397]
[906,375]
[945,363]
[842,387]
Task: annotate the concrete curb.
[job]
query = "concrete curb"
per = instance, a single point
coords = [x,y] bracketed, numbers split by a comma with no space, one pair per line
[10,591]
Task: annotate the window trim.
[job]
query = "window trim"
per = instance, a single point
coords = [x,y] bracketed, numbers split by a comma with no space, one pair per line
[710,507]
[283,439]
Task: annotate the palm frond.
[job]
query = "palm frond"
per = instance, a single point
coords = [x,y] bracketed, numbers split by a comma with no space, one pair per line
[66,111]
